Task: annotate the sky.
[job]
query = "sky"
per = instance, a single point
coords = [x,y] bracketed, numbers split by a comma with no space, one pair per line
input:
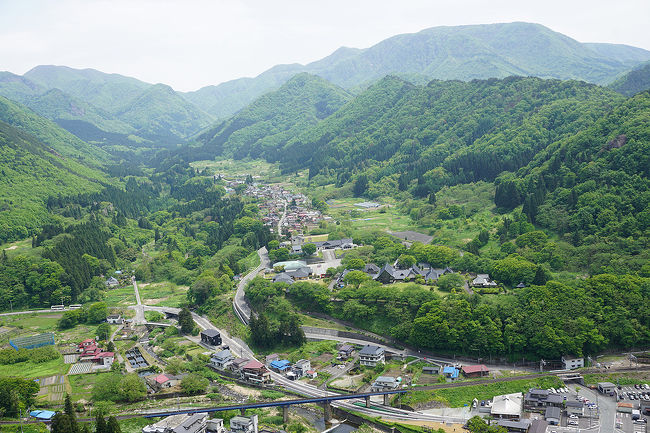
[189,44]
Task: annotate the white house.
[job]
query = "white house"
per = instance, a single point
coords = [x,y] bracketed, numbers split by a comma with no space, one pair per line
[115,319]
[384,383]
[244,424]
[221,360]
[570,363]
[301,367]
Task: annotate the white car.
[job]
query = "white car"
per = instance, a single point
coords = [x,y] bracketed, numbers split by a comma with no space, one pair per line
[573,416]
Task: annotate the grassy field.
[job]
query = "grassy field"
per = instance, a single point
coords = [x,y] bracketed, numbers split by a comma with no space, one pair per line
[21,248]
[31,369]
[251,261]
[237,168]
[458,397]
[387,217]
[631,378]
[120,297]
[163,294]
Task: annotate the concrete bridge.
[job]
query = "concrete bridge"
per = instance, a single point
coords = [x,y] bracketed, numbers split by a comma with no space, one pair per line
[323,401]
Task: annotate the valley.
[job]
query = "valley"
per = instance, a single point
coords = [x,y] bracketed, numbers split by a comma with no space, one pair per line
[446,230]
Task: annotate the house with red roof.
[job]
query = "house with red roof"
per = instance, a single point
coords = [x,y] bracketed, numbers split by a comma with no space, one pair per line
[104,358]
[255,371]
[475,370]
[163,381]
[86,343]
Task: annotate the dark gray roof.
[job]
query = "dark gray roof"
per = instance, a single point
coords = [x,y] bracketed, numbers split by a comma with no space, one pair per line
[283,278]
[555,398]
[300,272]
[371,268]
[371,350]
[211,333]
[552,412]
[333,243]
[523,424]
[574,403]
[193,424]
[538,426]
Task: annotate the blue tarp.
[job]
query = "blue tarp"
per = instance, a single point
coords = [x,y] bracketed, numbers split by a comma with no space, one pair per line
[42,414]
[451,371]
[281,364]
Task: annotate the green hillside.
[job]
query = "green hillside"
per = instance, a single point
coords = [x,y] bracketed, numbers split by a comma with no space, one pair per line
[162,114]
[633,82]
[275,118]
[57,105]
[50,134]
[105,91]
[448,53]
[32,171]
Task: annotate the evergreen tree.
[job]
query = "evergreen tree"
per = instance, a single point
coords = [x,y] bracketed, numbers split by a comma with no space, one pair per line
[113,426]
[69,411]
[62,423]
[100,424]
[186,321]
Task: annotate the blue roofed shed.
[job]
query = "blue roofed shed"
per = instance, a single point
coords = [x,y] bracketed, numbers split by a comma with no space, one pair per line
[450,372]
[42,414]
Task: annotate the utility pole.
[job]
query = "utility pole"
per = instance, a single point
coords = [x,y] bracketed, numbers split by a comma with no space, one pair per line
[21,420]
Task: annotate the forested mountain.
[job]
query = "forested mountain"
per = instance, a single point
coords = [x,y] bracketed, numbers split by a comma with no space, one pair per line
[461,52]
[159,113]
[106,91]
[109,109]
[272,120]
[30,172]
[633,82]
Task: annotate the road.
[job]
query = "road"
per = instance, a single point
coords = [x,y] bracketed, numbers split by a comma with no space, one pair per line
[239,303]
[282,218]
[139,310]
[34,312]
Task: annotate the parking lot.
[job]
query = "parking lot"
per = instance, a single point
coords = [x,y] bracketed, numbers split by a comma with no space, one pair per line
[634,394]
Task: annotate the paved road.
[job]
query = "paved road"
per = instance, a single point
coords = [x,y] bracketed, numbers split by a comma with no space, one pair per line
[15,313]
[139,310]
[240,305]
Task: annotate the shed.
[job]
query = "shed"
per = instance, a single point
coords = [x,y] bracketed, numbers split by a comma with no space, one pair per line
[553,415]
[42,414]
[211,337]
[431,369]
[606,387]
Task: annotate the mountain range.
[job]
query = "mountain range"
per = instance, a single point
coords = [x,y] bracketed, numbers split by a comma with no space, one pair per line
[115,110]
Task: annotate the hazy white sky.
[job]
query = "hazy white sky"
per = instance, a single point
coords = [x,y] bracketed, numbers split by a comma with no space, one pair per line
[192,43]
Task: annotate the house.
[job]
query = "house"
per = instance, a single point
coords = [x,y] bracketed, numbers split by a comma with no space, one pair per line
[451,373]
[540,399]
[244,424]
[371,355]
[345,351]
[272,357]
[483,280]
[432,275]
[514,426]
[606,388]
[552,415]
[89,353]
[371,269]
[431,369]
[105,359]
[87,342]
[255,371]
[211,337]
[115,319]
[300,273]
[280,365]
[283,277]
[215,425]
[574,407]
[311,374]
[334,244]
[301,367]
[163,381]
[570,363]
[195,423]
[112,282]
[475,370]
[222,359]
[538,426]
[521,286]
[384,383]
[238,364]
[507,406]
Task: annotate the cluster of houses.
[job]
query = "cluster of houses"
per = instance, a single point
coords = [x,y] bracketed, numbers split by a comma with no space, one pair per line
[301,368]
[90,351]
[299,213]
[200,423]
[246,369]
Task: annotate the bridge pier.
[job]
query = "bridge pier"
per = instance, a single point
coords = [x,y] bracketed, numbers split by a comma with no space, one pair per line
[327,412]
[386,400]
[367,401]
[285,414]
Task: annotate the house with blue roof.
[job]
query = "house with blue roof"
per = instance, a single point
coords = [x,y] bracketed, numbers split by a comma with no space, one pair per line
[451,373]
[280,365]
